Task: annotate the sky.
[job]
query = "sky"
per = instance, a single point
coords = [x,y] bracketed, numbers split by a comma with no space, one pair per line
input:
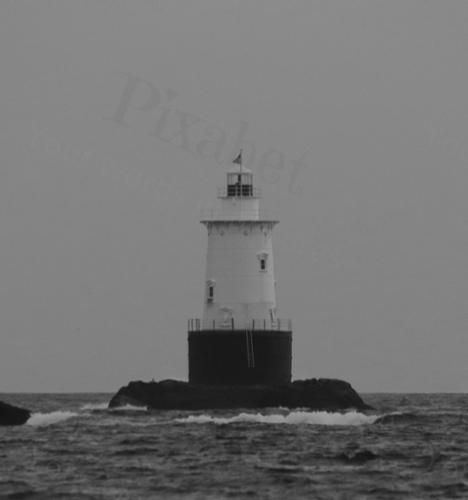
[118,121]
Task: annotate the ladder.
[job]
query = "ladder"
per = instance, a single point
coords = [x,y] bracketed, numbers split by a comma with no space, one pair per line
[250,348]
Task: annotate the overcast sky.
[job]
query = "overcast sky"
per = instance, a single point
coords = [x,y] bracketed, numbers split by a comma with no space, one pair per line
[117,122]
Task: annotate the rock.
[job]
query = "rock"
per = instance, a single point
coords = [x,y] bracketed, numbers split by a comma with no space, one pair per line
[12,415]
[316,394]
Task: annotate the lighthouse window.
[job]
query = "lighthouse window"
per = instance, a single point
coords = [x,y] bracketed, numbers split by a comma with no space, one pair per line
[210,284]
[262,259]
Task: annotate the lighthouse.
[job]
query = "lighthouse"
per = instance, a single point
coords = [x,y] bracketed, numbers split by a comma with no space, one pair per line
[239,349]
[239,340]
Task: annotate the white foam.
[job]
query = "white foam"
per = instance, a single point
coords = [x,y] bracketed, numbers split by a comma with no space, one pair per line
[105,406]
[42,419]
[130,408]
[95,406]
[295,417]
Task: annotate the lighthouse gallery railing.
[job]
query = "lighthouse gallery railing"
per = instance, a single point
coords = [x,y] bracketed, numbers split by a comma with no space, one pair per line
[280,324]
[240,215]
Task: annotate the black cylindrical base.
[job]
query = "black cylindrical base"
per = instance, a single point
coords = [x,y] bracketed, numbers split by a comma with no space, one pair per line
[239,357]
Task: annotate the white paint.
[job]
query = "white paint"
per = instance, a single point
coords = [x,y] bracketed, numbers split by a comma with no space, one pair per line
[239,238]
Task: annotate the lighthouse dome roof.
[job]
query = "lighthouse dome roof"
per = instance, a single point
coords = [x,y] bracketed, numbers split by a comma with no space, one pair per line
[236,169]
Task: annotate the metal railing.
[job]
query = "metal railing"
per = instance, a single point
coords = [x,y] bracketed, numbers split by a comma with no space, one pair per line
[197,324]
[213,215]
[232,192]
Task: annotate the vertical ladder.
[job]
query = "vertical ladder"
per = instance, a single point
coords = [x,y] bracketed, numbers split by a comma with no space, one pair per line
[250,348]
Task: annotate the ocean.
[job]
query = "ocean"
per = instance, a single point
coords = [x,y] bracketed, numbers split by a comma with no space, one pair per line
[73,447]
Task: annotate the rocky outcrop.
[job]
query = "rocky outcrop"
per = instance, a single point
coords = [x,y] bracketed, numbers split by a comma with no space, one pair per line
[316,394]
[12,415]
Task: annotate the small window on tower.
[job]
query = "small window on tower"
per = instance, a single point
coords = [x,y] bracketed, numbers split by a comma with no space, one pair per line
[262,260]
[210,293]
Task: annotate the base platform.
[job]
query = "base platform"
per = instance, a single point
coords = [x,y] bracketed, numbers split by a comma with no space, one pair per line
[240,357]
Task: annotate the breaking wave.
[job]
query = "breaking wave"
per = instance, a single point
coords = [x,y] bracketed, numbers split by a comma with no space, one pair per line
[296,417]
[95,406]
[397,417]
[129,408]
[105,407]
[43,419]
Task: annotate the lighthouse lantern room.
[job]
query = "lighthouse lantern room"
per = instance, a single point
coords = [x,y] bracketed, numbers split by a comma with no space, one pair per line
[239,339]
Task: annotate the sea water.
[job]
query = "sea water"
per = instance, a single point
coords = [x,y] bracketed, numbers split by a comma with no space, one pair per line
[74,447]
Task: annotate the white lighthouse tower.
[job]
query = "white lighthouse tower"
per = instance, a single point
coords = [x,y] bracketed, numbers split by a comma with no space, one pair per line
[239,338]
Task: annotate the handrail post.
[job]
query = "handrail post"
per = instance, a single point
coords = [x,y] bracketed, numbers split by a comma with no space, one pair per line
[232,323]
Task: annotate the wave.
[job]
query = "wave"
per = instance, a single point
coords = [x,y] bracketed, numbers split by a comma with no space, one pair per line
[129,408]
[105,407]
[43,419]
[295,417]
[397,417]
[95,406]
